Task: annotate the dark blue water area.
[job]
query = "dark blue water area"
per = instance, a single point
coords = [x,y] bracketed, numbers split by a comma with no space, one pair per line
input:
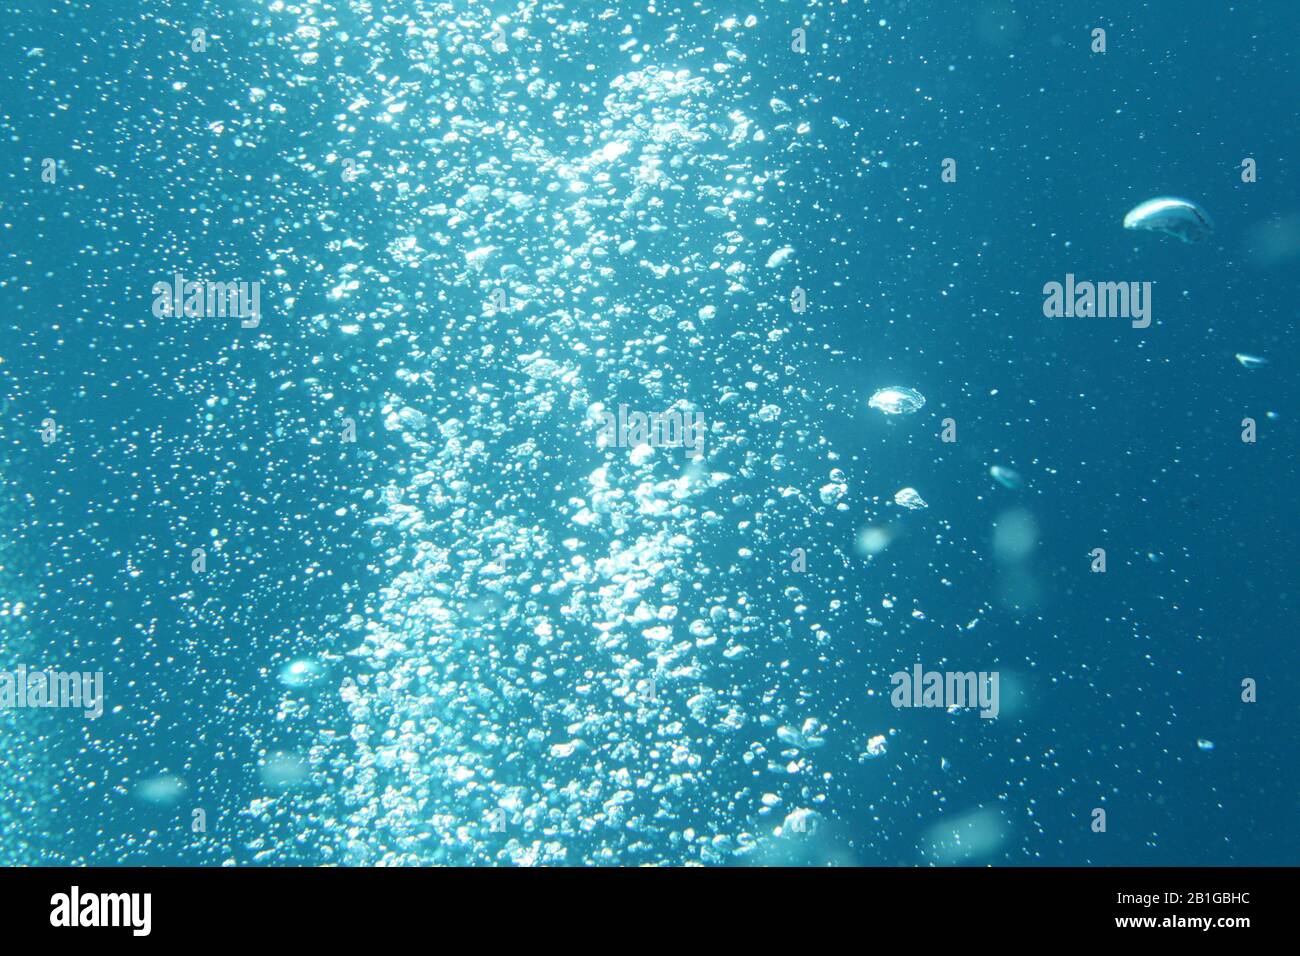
[1126,439]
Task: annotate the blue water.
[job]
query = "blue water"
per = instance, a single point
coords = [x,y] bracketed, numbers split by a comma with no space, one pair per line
[517,645]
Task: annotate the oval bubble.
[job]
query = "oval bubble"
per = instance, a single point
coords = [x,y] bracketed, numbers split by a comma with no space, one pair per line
[1180,218]
[301,673]
[1006,477]
[897,400]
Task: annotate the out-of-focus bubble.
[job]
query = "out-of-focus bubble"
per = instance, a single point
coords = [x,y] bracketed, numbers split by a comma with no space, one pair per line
[965,838]
[1018,587]
[1015,535]
[1274,242]
[873,540]
[1013,694]
[998,24]
[778,258]
[301,673]
[1006,477]
[283,770]
[162,790]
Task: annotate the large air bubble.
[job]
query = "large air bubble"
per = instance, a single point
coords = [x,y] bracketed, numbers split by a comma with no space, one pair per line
[1180,218]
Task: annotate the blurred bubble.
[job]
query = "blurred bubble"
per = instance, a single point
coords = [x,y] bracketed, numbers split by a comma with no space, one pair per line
[1013,694]
[873,540]
[965,838]
[1018,587]
[283,770]
[301,673]
[998,24]
[165,789]
[1006,477]
[1015,535]
[1274,242]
